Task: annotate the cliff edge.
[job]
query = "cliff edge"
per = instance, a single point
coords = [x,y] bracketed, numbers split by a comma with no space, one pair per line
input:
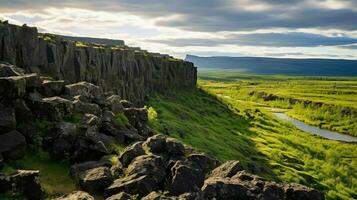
[130,72]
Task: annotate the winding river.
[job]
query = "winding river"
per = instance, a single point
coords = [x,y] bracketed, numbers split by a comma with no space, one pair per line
[315,130]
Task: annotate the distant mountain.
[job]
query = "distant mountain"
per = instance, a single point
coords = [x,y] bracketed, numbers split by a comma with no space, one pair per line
[104,41]
[284,66]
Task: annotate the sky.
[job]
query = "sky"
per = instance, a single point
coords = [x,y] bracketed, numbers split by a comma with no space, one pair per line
[269,28]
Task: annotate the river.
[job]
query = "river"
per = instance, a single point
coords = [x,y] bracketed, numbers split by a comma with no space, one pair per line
[315,130]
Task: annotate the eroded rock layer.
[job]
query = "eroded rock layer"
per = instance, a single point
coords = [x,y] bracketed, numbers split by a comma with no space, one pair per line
[130,72]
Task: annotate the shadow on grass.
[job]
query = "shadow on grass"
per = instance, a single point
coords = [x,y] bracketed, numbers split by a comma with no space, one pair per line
[201,120]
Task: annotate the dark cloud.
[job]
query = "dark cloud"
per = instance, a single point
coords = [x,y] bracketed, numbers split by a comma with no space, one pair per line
[292,39]
[214,15]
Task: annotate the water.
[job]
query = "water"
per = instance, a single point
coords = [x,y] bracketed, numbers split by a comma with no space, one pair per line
[315,130]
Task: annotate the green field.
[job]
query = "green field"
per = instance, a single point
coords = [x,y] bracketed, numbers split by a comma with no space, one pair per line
[327,102]
[220,119]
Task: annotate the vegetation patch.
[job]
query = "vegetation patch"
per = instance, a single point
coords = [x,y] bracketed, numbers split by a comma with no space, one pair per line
[121,119]
[54,175]
[233,129]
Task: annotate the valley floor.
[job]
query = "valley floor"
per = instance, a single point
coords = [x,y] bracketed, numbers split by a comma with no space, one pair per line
[231,129]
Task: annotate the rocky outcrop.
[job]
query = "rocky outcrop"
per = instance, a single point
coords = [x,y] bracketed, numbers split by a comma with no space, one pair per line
[129,72]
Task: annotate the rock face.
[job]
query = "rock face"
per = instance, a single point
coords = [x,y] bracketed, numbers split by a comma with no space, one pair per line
[129,72]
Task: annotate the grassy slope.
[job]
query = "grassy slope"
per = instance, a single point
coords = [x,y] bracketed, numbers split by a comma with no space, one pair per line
[232,129]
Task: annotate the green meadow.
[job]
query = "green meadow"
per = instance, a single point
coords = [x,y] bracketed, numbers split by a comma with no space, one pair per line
[221,118]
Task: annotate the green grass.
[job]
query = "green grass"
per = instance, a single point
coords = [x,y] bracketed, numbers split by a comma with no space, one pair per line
[231,129]
[121,119]
[54,175]
[333,99]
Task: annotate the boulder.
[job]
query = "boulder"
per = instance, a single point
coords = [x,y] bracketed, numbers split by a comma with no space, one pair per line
[7,120]
[174,147]
[102,139]
[126,104]
[26,181]
[51,88]
[12,87]
[90,124]
[133,185]
[83,107]
[156,144]
[78,168]
[12,145]
[113,103]
[84,89]
[203,161]
[227,169]
[95,179]
[33,81]
[120,196]
[77,195]
[145,174]
[85,150]
[61,139]
[162,144]
[112,130]
[137,117]
[52,108]
[131,152]
[223,188]
[7,70]
[185,177]
[150,165]
[297,192]
[23,112]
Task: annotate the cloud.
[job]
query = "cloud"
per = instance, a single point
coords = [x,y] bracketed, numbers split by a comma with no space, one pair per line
[223,15]
[289,39]
[294,28]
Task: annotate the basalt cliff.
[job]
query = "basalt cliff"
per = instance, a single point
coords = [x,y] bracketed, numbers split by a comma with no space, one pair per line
[73,110]
[130,72]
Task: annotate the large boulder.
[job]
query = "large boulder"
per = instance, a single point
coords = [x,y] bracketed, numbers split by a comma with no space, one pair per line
[84,89]
[7,70]
[83,107]
[113,103]
[12,87]
[138,118]
[23,112]
[12,145]
[161,144]
[223,188]
[90,124]
[7,120]
[145,174]
[131,152]
[52,108]
[33,81]
[150,165]
[51,88]
[61,139]
[227,169]
[297,192]
[95,179]
[77,195]
[134,185]
[185,177]
[77,169]
[27,182]
[203,161]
